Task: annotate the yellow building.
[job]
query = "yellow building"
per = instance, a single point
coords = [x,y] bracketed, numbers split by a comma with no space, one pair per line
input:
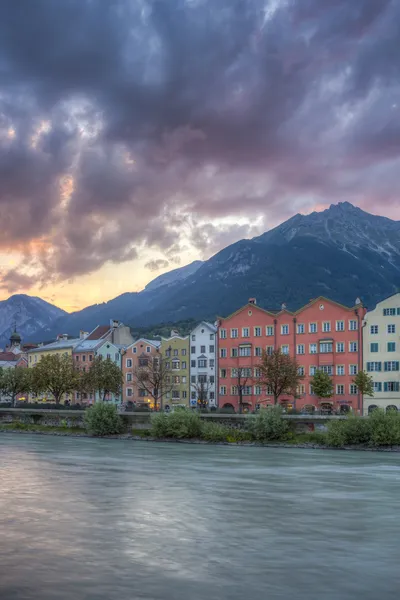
[175,351]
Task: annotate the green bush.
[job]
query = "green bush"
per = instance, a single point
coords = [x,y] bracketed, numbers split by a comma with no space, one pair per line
[180,424]
[268,425]
[385,428]
[379,429]
[336,435]
[102,419]
[214,432]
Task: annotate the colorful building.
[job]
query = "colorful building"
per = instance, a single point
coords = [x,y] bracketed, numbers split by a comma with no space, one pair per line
[323,335]
[175,351]
[381,341]
[135,356]
[203,370]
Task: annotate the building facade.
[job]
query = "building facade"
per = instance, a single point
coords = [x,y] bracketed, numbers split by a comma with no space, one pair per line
[203,365]
[135,356]
[381,339]
[322,335]
[175,351]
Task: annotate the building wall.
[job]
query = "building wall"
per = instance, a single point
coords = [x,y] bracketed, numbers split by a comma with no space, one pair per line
[203,362]
[176,347]
[130,362]
[382,351]
[259,330]
[35,356]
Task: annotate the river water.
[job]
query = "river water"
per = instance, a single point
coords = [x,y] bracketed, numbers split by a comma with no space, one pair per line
[103,520]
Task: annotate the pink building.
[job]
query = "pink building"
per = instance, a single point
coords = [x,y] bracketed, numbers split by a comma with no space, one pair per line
[321,335]
[137,355]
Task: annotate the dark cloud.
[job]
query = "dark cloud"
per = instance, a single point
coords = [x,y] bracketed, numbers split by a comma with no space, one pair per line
[128,125]
[156,265]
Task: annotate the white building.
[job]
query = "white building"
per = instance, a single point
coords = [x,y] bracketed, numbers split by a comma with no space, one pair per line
[203,367]
[381,350]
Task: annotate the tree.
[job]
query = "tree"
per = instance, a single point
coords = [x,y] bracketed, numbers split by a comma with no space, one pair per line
[56,375]
[364,383]
[201,388]
[104,377]
[154,375]
[243,378]
[15,381]
[322,385]
[279,373]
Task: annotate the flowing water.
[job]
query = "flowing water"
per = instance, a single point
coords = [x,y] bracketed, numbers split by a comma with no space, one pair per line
[103,520]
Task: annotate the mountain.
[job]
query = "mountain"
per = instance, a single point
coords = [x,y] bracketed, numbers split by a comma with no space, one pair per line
[28,313]
[174,276]
[342,252]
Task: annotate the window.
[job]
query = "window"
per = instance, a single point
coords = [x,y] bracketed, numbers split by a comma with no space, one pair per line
[142,393]
[313,348]
[377,386]
[257,390]
[234,352]
[234,390]
[183,364]
[300,328]
[353,369]
[245,332]
[193,364]
[353,325]
[285,349]
[391,365]
[326,326]
[257,351]
[175,394]
[312,328]
[257,331]
[176,379]
[389,312]
[202,363]
[374,347]
[353,346]
[193,379]
[212,378]
[183,352]
[222,334]
[300,371]
[301,389]
[129,377]
[325,347]
[202,349]
[340,370]
[116,356]
[300,349]
[222,352]
[257,372]
[129,392]
[176,352]
[134,350]
[193,350]
[391,328]
[285,329]
[313,369]
[77,357]
[183,378]
[353,388]
[374,329]
[391,347]
[374,366]
[269,350]
[211,363]
[109,356]
[222,390]
[234,373]
[84,357]
[143,362]
[176,364]
[245,372]
[148,349]
[211,336]
[339,325]
[246,390]
[327,369]
[193,395]
[269,330]
[311,390]
[167,353]
[212,396]
[245,351]
[340,389]
[391,386]
[234,333]
[340,347]
[128,363]
[211,349]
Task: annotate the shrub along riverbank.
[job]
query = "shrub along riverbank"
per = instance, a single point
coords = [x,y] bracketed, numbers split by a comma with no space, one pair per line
[380,429]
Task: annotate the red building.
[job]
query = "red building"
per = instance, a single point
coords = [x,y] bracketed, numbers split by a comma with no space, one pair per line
[321,335]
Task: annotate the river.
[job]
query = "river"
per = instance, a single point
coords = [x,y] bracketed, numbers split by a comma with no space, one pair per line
[84,519]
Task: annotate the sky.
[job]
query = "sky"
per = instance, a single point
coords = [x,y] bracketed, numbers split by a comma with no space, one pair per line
[139,135]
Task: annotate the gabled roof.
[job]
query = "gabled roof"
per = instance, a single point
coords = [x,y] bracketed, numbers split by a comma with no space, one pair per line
[87,345]
[154,343]
[58,345]
[207,324]
[99,332]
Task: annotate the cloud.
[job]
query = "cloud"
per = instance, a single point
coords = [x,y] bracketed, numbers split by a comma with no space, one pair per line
[156,124]
[12,281]
[156,265]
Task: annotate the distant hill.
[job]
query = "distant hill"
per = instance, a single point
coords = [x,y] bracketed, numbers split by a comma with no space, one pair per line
[342,252]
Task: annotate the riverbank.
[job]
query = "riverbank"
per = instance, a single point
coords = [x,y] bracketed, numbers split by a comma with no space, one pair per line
[139,436]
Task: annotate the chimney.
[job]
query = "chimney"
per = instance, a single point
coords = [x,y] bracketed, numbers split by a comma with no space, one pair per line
[83,334]
[358,301]
[174,332]
[252,301]
[283,306]
[114,324]
[64,336]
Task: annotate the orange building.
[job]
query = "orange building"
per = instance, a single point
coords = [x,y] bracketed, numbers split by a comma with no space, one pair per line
[136,355]
[322,335]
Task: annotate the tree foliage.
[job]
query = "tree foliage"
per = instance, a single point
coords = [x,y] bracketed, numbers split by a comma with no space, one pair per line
[322,385]
[104,377]
[364,383]
[279,373]
[201,389]
[103,419]
[154,375]
[15,381]
[56,375]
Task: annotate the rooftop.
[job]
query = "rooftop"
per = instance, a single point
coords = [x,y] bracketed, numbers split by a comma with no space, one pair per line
[58,345]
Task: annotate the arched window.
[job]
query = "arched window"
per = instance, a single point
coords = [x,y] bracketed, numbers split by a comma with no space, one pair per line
[371,408]
[391,407]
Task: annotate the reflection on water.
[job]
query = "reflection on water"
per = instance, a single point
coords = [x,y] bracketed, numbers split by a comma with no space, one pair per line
[104,520]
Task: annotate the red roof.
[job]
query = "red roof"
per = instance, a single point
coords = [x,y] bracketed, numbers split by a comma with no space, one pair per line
[99,332]
[9,356]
